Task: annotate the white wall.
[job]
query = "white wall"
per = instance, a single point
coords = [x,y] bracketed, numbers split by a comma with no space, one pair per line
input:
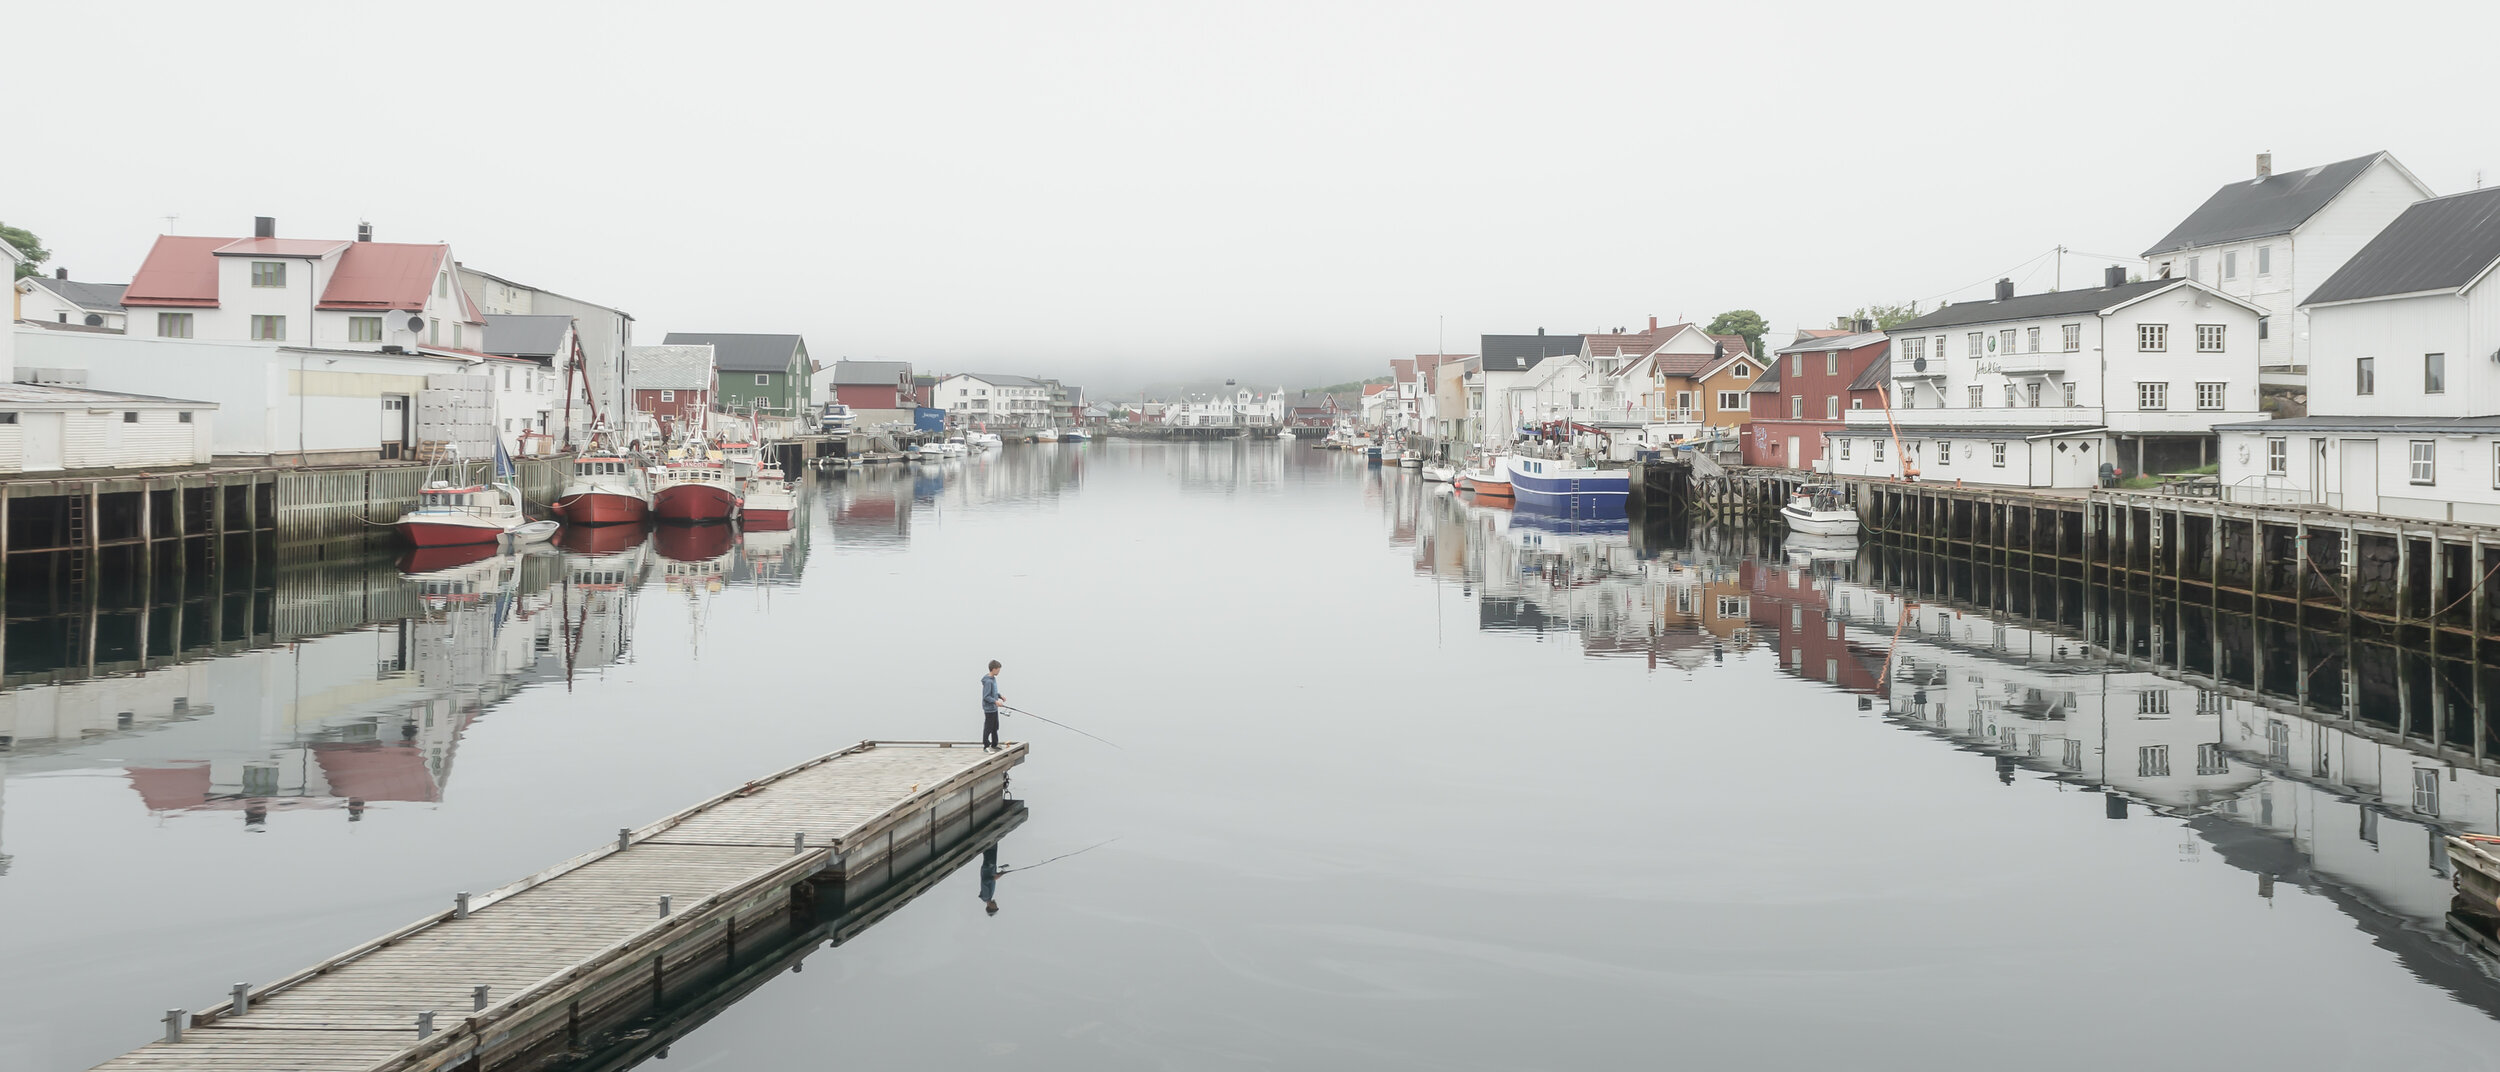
[254,386]
[2180,366]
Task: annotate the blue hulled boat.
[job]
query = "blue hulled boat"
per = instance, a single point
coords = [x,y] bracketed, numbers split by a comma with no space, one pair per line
[1568,489]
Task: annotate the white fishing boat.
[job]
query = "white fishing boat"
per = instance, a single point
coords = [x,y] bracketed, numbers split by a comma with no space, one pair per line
[957,447]
[767,500]
[447,516]
[984,440]
[1408,459]
[1045,435]
[1285,434]
[1820,510]
[1440,474]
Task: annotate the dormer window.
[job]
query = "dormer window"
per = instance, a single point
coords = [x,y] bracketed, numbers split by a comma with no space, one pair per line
[269,273]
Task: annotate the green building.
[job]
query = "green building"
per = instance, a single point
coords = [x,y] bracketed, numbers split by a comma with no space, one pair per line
[769,372]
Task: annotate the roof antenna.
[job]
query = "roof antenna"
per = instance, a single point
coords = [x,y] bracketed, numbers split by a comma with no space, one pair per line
[169,219]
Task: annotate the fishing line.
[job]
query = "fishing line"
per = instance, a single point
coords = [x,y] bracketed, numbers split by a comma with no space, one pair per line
[1062,856]
[1054,722]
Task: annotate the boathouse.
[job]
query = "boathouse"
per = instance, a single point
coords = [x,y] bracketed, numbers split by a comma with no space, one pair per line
[50,429]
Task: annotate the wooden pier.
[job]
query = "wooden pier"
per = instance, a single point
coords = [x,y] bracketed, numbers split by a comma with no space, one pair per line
[541,968]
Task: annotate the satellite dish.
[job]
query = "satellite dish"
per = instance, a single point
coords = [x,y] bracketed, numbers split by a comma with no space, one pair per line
[95,320]
[1918,364]
[416,323]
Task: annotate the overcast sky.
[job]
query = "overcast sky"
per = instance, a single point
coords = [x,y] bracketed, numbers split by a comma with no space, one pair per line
[1133,191]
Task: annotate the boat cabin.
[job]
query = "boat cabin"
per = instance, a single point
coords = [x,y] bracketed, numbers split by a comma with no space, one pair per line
[611,467]
[487,500]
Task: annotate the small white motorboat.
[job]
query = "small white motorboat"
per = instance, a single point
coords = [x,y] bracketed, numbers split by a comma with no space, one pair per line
[1820,510]
[1045,435]
[1408,459]
[1440,474]
[1285,434]
[534,532]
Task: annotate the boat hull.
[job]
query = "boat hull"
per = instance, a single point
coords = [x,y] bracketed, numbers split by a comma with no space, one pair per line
[603,508]
[449,533]
[1592,492]
[1812,523]
[766,519]
[1486,487]
[695,502]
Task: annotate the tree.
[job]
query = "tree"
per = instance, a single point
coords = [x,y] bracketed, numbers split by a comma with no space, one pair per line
[1743,322]
[1886,317]
[27,244]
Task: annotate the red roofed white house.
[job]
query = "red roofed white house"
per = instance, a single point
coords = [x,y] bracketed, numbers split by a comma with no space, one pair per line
[323,293]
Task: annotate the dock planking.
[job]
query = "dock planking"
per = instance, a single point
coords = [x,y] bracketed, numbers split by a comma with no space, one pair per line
[586,941]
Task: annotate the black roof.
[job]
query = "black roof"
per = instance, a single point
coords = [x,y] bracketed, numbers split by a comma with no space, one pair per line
[735,351]
[1519,353]
[2033,306]
[1769,381]
[2439,244]
[2259,207]
[1878,373]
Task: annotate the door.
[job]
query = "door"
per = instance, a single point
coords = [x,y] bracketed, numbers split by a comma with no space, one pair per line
[2317,472]
[394,426]
[1795,460]
[41,434]
[2360,474]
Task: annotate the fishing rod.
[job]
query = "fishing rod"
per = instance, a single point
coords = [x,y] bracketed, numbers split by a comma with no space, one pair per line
[1061,725]
[1061,856]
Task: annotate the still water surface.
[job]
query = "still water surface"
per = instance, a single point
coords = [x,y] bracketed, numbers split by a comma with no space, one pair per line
[1403,783]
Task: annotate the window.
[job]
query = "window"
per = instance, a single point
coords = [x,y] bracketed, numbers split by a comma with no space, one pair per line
[183,417]
[1944,452]
[2210,759]
[2009,396]
[364,329]
[173,325]
[2152,761]
[1977,400]
[2279,456]
[2005,340]
[2265,260]
[2073,754]
[1912,351]
[668,396]
[1879,450]
[1796,407]
[1831,362]
[8,418]
[2208,338]
[2263,323]
[442,284]
[2074,337]
[2031,395]
[1831,407]
[2152,396]
[1683,400]
[2209,396]
[269,273]
[1796,364]
[763,379]
[2426,790]
[433,332]
[2495,465]
[1860,403]
[1731,400]
[1996,455]
[2196,267]
[2031,340]
[268,328]
[2418,457]
[1741,371]
[2434,374]
[2365,375]
[1732,607]
[2152,338]
[2069,390]
[130,416]
[2231,264]
[1974,343]
[1844,450]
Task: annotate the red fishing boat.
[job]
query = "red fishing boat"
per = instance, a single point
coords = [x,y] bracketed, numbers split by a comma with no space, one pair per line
[605,490]
[448,516]
[691,490]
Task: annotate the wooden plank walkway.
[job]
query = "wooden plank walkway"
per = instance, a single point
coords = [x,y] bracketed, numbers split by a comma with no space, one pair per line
[590,933]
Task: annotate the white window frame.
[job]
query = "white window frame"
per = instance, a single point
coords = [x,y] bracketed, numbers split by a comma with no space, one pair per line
[2279,458]
[2421,461]
[1831,407]
[1879,450]
[2005,342]
[2152,396]
[2031,340]
[2209,338]
[2265,260]
[2068,388]
[1731,400]
[1976,342]
[269,275]
[763,379]
[668,396]
[1944,452]
[2073,337]
[1844,449]
[1978,397]
[1796,407]
[2230,264]
[2152,338]
[1996,453]
[2211,395]
[2031,394]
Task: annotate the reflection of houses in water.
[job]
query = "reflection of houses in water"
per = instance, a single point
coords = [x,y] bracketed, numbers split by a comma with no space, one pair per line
[366,712]
[2309,799]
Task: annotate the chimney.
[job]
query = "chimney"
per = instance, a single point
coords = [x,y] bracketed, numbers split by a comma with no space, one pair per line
[364,232]
[1540,331]
[264,227]
[2005,290]
[2114,276]
[60,273]
[1653,323]
[1864,326]
[2265,166]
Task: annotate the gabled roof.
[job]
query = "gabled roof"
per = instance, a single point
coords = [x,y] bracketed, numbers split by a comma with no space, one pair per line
[180,270]
[869,373]
[672,367]
[1371,389]
[1401,370]
[742,352]
[390,275]
[996,380]
[315,248]
[1769,381]
[2036,306]
[1878,373]
[2257,208]
[533,335]
[1735,344]
[1840,341]
[2440,244]
[1519,353]
[1625,344]
[95,297]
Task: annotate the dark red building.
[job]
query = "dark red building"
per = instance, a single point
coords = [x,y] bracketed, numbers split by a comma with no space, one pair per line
[1807,393]
[872,384]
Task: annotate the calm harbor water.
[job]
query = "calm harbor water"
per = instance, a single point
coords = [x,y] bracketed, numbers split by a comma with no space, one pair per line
[1401,783]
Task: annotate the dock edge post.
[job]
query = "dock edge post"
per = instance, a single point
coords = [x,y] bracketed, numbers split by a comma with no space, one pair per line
[173,1025]
[242,1000]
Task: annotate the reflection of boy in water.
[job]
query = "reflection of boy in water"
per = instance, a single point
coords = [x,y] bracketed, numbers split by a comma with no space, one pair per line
[989,878]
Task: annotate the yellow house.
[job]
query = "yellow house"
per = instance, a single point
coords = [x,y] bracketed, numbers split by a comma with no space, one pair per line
[1692,376]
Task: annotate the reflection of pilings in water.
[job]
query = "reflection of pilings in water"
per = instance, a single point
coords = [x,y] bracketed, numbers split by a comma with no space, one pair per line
[830,923]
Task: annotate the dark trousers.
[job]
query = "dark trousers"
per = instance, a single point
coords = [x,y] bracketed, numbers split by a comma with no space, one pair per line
[989,729]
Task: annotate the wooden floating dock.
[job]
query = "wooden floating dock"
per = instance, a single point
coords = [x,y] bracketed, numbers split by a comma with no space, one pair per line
[533,971]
